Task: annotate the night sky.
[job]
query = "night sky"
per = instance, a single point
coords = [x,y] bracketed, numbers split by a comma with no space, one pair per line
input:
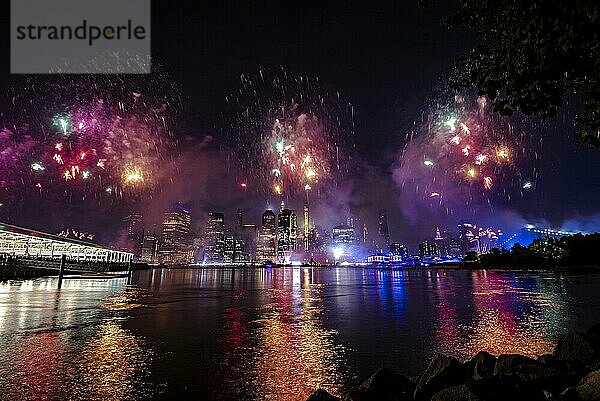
[388,59]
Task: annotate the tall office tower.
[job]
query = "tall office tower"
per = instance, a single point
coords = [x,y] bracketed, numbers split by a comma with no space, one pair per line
[267,238]
[384,233]
[249,236]
[229,252]
[175,246]
[306,227]
[365,233]
[350,221]
[134,226]
[214,238]
[287,233]
[440,243]
[239,218]
[149,245]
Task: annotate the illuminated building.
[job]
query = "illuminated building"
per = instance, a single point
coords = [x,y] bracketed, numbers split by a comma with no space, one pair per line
[134,226]
[287,231]
[267,238]
[398,248]
[175,246]
[250,237]
[427,250]
[343,243]
[214,238]
[229,250]
[23,242]
[384,233]
[306,227]
[365,234]
[343,235]
[239,218]
[149,248]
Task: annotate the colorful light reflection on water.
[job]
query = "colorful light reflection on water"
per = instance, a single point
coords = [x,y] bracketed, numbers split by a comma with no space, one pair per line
[253,334]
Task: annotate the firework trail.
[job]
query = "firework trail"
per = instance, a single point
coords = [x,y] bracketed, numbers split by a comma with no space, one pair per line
[291,135]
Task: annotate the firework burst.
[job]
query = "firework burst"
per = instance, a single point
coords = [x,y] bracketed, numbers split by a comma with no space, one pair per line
[462,153]
[290,132]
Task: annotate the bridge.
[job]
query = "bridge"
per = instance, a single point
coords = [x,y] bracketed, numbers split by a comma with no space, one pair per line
[19,242]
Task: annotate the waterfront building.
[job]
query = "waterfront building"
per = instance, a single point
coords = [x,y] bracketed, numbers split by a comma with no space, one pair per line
[267,238]
[214,238]
[149,248]
[398,249]
[306,227]
[229,250]
[175,242]
[427,250]
[343,234]
[287,232]
[134,227]
[239,218]
[384,232]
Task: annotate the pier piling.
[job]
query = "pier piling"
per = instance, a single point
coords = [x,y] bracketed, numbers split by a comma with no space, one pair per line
[63,261]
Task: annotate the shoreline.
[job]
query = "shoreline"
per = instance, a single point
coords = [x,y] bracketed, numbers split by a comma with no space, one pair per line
[28,273]
[570,373]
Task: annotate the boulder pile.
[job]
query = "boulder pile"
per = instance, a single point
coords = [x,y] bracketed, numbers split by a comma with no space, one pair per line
[570,373]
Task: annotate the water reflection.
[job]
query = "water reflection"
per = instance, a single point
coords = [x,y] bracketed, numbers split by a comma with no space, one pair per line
[113,365]
[504,313]
[254,334]
[64,344]
[285,352]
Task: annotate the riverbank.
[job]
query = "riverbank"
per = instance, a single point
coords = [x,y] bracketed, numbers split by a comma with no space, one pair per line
[570,373]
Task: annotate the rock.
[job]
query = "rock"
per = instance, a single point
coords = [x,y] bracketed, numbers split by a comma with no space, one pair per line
[502,388]
[480,366]
[365,395]
[456,393]
[569,394]
[593,336]
[506,363]
[443,372]
[322,395]
[574,347]
[387,383]
[588,388]
[544,377]
[551,361]
[547,359]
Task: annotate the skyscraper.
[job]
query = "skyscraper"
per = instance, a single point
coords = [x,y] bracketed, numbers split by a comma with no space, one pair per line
[134,226]
[267,238]
[239,217]
[175,246]
[149,245]
[384,233]
[306,227]
[214,237]
[287,232]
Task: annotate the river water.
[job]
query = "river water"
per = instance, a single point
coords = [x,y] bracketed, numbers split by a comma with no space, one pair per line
[270,334]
